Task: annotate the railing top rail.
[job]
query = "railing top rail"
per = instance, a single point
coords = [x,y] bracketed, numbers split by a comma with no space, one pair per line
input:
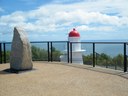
[48,41]
[39,42]
[102,42]
[72,42]
[6,42]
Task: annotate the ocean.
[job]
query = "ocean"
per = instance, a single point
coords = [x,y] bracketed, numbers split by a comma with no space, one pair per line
[109,49]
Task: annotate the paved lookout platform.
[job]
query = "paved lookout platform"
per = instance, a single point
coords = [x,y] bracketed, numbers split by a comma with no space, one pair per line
[58,79]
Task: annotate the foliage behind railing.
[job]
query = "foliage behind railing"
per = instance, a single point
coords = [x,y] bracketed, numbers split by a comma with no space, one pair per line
[48,51]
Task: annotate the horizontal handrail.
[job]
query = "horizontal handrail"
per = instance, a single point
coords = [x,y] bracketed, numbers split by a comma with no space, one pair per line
[72,42]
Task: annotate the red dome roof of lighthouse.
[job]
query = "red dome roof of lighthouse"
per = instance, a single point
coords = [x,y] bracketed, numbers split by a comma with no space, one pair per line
[74,33]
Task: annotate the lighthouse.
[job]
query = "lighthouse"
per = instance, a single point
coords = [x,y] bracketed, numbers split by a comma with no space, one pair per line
[74,38]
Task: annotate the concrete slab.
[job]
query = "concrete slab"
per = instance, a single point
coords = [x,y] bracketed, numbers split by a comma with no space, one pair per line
[58,79]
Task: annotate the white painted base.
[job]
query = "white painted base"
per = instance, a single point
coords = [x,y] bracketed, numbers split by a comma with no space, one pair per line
[76,57]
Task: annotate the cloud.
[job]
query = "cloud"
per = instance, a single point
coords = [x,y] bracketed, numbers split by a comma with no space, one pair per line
[119,6]
[66,1]
[85,28]
[1,10]
[88,15]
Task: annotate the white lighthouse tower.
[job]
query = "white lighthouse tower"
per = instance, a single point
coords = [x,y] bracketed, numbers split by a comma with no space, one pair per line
[74,36]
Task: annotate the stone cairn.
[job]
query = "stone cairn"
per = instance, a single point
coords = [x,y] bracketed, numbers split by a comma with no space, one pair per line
[21,58]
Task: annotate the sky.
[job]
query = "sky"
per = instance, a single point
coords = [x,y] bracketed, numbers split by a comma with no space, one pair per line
[52,20]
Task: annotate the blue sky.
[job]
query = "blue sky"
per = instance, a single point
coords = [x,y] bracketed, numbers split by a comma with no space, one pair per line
[54,19]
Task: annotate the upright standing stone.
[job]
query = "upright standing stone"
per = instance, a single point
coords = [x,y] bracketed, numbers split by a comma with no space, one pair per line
[20,58]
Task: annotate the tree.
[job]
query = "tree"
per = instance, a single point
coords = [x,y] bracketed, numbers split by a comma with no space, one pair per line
[42,54]
[104,60]
[39,54]
[56,54]
[118,61]
[87,59]
[8,56]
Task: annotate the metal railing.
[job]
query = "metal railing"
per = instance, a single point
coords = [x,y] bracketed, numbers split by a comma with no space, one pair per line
[94,58]
[49,46]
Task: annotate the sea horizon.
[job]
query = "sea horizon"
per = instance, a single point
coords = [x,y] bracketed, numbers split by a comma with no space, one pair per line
[106,40]
[88,40]
[110,49]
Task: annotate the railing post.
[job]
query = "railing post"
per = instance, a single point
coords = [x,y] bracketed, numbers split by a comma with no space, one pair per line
[125,58]
[70,52]
[93,54]
[51,52]
[48,51]
[4,52]
[0,53]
